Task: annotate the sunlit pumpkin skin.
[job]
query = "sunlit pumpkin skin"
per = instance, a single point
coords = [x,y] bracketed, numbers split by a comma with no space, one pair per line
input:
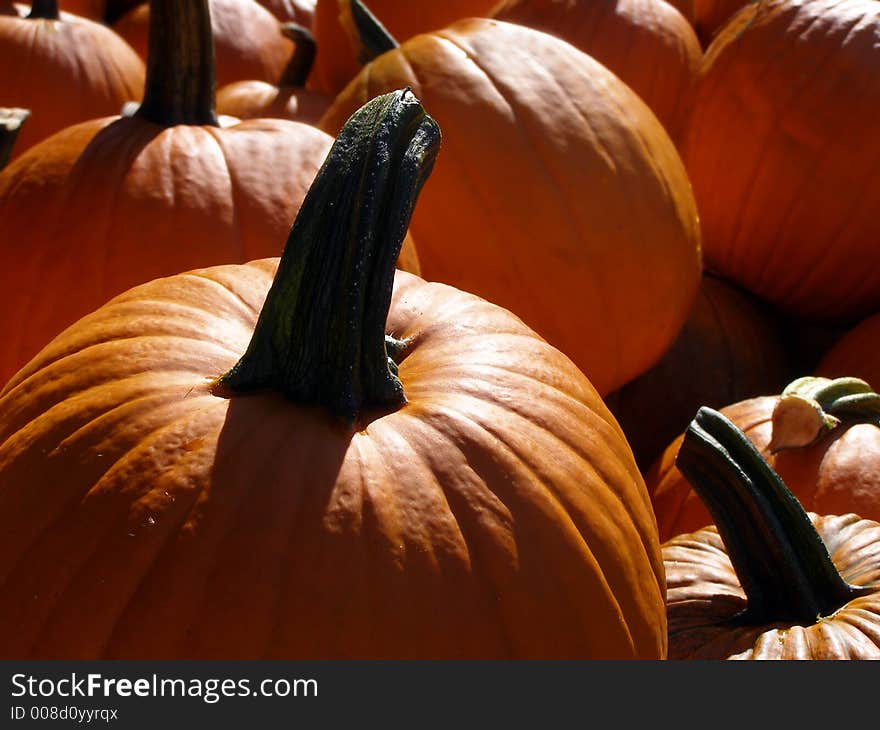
[838,474]
[293,11]
[501,490]
[771,581]
[571,206]
[711,15]
[703,591]
[792,211]
[647,43]
[105,11]
[246,39]
[65,70]
[855,353]
[337,60]
[728,350]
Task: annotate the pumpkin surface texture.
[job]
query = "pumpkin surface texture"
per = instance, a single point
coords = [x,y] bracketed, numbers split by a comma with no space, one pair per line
[571,205]
[771,581]
[213,460]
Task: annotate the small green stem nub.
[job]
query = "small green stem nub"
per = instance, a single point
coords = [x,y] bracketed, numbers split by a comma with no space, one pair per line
[11,120]
[180,85]
[374,37]
[320,337]
[300,65]
[779,558]
[46,9]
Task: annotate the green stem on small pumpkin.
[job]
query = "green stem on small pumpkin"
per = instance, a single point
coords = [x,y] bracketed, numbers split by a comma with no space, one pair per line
[374,38]
[320,337]
[11,119]
[45,9]
[300,65]
[781,562]
[180,84]
[811,407]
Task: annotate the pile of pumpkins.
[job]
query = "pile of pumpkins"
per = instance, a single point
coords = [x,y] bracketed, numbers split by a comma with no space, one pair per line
[590,288]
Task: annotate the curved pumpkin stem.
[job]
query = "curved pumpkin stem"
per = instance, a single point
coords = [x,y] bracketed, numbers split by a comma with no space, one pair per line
[297,70]
[779,558]
[46,9]
[371,37]
[812,406]
[320,337]
[11,119]
[180,84]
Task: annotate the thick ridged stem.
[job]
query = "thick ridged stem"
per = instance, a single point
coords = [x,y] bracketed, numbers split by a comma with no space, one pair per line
[11,119]
[320,337]
[374,38]
[781,562]
[180,84]
[300,65]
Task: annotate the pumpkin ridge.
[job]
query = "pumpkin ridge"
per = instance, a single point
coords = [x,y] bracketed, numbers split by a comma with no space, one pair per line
[229,167]
[570,508]
[561,199]
[249,308]
[459,506]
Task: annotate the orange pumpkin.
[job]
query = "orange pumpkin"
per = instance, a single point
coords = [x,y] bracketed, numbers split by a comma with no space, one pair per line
[647,43]
[780,148]
[65,69]
[169,181]
[247,43]
[202,515]
[287,98]
[338,58]
[106,11]
[301,12]
[562,197]
[771,581]
[855,353]
[832,466]
[711,15]
[729,349]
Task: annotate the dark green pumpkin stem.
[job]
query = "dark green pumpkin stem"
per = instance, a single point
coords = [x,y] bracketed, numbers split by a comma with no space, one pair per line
[374,37]
[779,558]
[320,337]
[46,9]
[180,84]
[300,64]
[11,119]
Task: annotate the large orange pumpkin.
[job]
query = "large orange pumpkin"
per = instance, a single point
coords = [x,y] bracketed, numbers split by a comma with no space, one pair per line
[292,11]
[855,353]
[647,43]
[771,581]
[832,468]
[338,59]
[65,69]
[711,15]
[562,197]
[247,42]
[122,200]
[781,150]
[471,499]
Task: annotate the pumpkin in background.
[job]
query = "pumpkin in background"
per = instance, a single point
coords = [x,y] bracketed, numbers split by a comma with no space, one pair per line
[832,468]
[338,58]
[571,205]
[647,43]
[781,150]
[106,11]
[238,465]
[711,15]
[247,41]
[122,200]
[287,98]
[687,8]
[728,350]
[771,581]
[301,12]
[65,69]
[855,353]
